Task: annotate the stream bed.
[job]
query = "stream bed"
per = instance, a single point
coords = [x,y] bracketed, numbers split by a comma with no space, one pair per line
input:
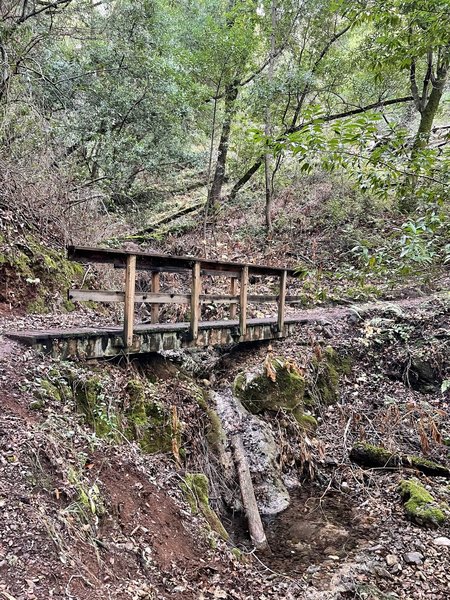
[314,529]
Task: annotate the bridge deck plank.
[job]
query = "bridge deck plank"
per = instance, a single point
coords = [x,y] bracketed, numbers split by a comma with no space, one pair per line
[140,328]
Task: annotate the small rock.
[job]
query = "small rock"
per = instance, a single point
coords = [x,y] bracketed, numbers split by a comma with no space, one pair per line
[413,558]
[313,569]
[441,541]
[391,560]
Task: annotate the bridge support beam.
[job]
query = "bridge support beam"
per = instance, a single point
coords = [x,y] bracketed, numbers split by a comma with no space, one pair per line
[195,300]
[282,302]
[130,286]
[243,302]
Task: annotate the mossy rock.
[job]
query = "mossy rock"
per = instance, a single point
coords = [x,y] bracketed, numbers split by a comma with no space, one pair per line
[196,492]
[326,371]
[308,423]
[419,504]
[259,393]
[89,398]
[149,422]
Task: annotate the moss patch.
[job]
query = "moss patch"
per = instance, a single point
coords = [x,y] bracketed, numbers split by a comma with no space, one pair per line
[196,491]
[285,390]
[307,422]
[420,506]
[34,273]
[326,371]
[149,423]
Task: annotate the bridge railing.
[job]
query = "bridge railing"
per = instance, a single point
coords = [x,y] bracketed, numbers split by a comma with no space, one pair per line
[131,262]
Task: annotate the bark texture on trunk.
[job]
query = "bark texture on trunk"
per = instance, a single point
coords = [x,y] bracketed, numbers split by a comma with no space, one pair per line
[215,193]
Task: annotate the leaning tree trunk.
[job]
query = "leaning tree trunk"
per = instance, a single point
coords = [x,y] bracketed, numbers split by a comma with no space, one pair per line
[215,193]
[426,120]
[428,111]
[268,129]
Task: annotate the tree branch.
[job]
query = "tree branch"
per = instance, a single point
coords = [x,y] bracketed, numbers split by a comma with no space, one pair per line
[37,11]
[256,165]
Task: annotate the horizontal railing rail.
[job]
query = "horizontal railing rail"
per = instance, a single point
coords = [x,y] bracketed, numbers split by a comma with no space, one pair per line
[131,261]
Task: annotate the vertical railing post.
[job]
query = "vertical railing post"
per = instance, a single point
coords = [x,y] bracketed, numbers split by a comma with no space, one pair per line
[195,300]
[130,286]
[282,302]
[243,302]
[233,291]
[155,289]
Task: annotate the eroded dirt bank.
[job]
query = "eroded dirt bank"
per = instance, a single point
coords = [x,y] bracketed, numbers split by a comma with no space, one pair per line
[88,512]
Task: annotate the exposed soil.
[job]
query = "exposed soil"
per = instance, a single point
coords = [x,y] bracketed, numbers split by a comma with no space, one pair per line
[334,540]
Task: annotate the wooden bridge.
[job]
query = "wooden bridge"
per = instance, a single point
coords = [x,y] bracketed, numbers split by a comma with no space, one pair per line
[132,338]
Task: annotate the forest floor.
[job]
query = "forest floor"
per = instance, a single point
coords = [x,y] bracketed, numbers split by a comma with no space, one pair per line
[83,518]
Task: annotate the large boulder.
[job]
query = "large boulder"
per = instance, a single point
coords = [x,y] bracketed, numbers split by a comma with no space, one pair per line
[277,386]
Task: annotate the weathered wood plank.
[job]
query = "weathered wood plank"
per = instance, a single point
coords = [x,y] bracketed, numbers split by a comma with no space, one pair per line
[243,301]
[156,286]
[167,298]
[195,300]
[233,292]
[139,297]
[255,526]
[282,302]
[163,261]
[130,285]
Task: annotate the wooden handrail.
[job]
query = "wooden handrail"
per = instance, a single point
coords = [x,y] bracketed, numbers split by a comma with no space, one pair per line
[158,263]
[167,298]
[162,262]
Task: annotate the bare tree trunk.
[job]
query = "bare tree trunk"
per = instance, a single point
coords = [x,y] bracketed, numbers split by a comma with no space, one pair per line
[427,118]
[268,128]
[215,193]
[428,106]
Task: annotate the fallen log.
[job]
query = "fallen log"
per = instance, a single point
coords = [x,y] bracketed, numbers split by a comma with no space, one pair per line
[255,526]
[368,455]
[185,210]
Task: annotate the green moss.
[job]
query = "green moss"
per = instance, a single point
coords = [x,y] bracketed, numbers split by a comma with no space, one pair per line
[196,491]
[307,422]
[262,393]
[420,506]
[68,306]
[323,387]
[136,394]
[216,435]
[37,404]
[89,398]
[428,466]
[377,454]
[38,306]
[149,423]
[48,390]
[38,272]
